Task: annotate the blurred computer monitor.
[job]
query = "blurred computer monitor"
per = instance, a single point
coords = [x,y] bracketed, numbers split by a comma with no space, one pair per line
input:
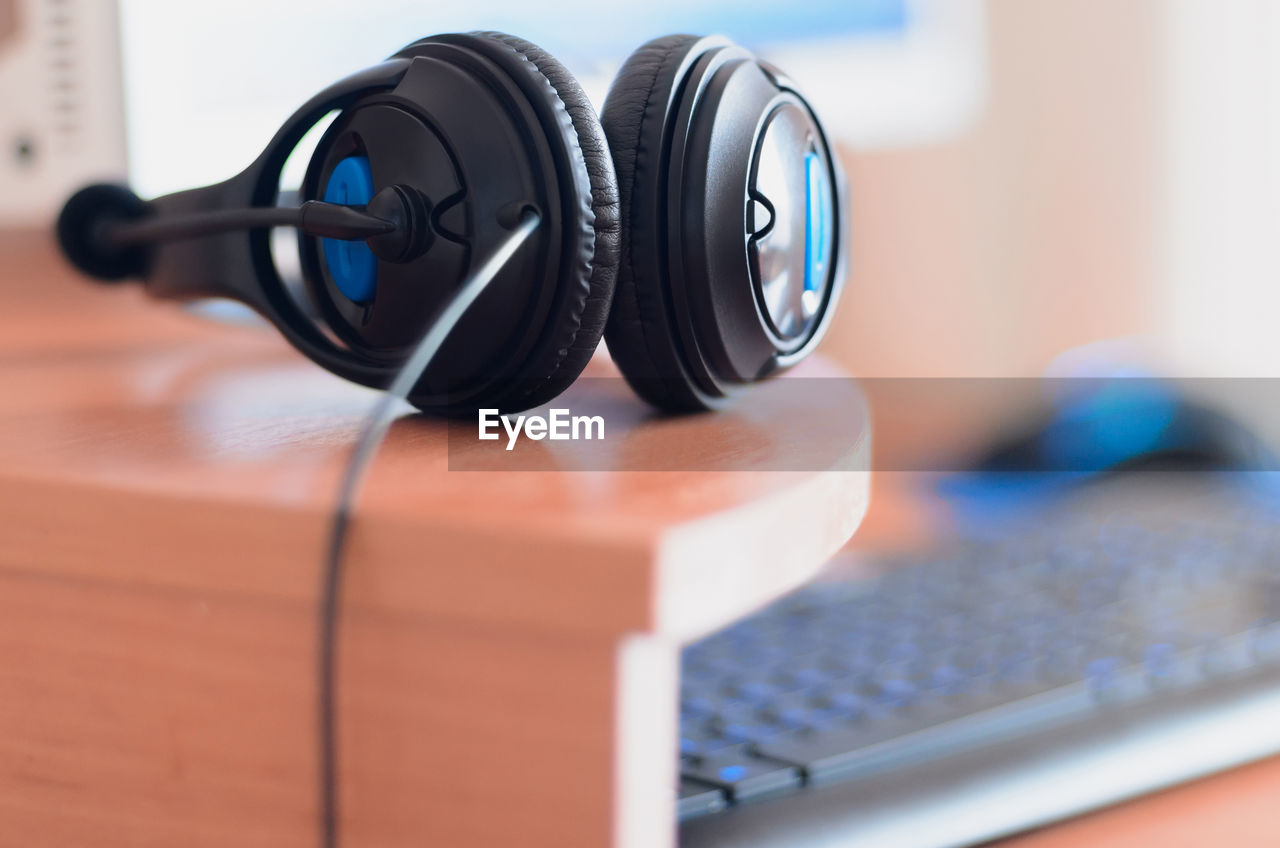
[194,90]
[208,83]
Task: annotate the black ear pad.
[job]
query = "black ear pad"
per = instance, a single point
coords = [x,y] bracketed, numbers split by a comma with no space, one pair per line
[579,333]
[731,208]
[639,335]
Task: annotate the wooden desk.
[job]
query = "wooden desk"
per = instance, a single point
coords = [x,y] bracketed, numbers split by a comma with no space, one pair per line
[508,660]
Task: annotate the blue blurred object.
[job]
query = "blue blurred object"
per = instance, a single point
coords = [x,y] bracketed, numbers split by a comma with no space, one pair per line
[1107,423]
[1127,421]
[758,21]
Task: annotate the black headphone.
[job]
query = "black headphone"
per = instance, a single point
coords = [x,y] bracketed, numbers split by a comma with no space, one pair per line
[704,240]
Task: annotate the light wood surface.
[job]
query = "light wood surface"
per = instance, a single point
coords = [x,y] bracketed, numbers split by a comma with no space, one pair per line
[509,650]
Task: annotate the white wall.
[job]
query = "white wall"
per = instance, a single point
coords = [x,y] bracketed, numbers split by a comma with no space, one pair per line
[1221,177]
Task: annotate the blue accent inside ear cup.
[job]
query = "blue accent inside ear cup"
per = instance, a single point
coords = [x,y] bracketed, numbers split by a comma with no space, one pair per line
[817,225]
[352,264]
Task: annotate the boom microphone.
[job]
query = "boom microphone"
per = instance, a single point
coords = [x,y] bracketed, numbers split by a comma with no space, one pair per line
[105,229]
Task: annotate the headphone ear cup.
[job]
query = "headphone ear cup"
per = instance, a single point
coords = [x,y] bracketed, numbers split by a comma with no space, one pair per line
[639,334]
[578,335]
[732,257]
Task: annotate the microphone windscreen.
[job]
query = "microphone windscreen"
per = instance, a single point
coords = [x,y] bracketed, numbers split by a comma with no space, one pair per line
[81,232]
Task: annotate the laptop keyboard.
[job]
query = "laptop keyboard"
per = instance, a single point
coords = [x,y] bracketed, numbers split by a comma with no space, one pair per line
[1128,590]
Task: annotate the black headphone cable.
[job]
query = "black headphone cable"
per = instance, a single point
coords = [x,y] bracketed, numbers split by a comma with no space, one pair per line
[373,431]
